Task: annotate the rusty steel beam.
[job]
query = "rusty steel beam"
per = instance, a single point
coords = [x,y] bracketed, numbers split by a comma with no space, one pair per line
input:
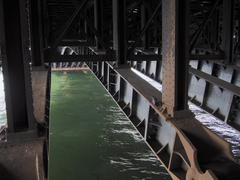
[175,54]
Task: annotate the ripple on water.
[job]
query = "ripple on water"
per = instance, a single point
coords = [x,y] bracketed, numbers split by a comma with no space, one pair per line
[135,160]
[99,134]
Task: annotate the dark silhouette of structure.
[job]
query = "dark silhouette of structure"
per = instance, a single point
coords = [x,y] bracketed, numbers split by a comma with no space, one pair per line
[191,47]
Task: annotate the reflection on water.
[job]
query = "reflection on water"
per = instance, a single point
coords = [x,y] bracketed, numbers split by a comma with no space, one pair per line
[225,131]
[91,138]
[3,114]
[3,118]
[222,129]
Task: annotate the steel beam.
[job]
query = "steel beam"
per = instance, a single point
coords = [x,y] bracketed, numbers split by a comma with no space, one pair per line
[119,31]
[175,54]
[149,21]
[208,57]
[98,20]
[228,8]
[46,23]
[52,56]
[95,32]
[96,58]
[78,43]
[216,81]
[79,58]
[36,32]
[145,27]
[16,68]
[144,19]
[203,25]
[66,26]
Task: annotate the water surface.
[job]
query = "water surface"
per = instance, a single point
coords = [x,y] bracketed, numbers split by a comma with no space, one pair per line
[91,138]
[3,117]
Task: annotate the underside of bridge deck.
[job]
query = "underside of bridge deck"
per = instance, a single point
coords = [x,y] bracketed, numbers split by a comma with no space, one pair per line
[190,48]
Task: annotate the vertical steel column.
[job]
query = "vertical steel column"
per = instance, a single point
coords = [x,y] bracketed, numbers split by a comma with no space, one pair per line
[175,53]
[86,28]
[45,19]
[98,18]
[16,65]
[228,30]
[36,32]
[144,19]
[119,31]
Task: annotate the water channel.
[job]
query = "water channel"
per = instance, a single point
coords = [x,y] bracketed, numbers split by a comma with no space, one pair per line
[91,138]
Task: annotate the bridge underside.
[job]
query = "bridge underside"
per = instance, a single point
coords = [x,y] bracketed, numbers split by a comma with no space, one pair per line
[190,48]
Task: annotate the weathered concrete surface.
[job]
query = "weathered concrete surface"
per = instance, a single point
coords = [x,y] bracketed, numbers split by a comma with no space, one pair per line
[22,161]
[39,87]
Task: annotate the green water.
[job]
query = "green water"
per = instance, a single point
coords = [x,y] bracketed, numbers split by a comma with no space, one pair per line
[90,137]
